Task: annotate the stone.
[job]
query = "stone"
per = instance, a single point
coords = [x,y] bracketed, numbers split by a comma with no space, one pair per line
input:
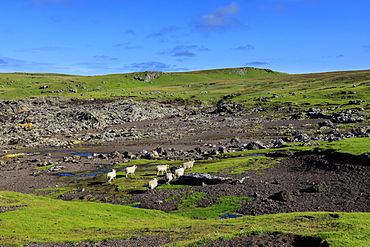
[281,196]
[255,145]
[197,178]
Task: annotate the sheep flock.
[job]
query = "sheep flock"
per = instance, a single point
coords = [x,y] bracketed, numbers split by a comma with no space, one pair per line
[169,173]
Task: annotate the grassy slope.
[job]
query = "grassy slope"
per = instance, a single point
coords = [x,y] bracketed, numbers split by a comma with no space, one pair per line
[321,89]
[57,220]
[76,221]
[20,85]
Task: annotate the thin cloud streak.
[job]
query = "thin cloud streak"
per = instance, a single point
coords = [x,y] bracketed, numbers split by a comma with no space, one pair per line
[103,57]
[244,48]
[18,65]
[48,3]
[164,31]
[183,51]
[44,49]
[127,46]
[152,66]
[256,63]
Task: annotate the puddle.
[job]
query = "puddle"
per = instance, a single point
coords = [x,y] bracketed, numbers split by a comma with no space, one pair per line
[230,216]
[137,206]
[88,174]
[79,154]
[94,155]
[256,155]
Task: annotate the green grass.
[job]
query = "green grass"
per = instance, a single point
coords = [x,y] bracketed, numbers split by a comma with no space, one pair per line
[235,165]
[48,220]
[187,207]
[354,146]
[21,85]
[310,90]
[44,219]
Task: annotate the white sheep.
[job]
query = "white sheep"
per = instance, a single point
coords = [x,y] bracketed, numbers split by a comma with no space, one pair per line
[152,184]
[130,170]
[188,164]
[111,175]
[169,177]
[179,172]
[161,169]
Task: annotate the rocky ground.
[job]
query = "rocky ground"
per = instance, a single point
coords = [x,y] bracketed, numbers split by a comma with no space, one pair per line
[71,136]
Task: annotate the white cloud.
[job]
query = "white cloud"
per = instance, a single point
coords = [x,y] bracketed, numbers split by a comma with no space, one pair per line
[219,20]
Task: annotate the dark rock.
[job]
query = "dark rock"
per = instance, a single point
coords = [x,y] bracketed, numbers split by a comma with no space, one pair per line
[279,142]
[238,181]
[255,145]
[281,196]
[235,140]
[197,178]
[228,107]
[318,187]
[222,149]
[326,123]
[348,116]
[302,138]
[316,113]
[174,168]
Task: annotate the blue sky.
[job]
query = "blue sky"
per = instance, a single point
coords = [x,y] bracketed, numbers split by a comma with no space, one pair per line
[98,37]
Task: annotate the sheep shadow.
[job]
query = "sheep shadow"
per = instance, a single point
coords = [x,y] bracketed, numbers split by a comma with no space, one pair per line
[137,192]
[97,183]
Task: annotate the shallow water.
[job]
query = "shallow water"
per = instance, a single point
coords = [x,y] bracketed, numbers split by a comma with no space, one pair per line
[230,216]
[77,153]
[94,155]
[87,174]
[256,155]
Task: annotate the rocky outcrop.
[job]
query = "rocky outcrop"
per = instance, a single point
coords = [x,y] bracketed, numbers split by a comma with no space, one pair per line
[148,76]
[228,107]
[348,116]
[54,115]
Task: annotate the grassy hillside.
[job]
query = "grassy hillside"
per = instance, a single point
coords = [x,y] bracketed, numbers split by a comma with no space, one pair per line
[248,86]
[20,85]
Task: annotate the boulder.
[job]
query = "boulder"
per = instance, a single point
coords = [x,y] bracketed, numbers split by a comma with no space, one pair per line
[255,145]
[326,124]
[282,196]
[317,187]
[197,178]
